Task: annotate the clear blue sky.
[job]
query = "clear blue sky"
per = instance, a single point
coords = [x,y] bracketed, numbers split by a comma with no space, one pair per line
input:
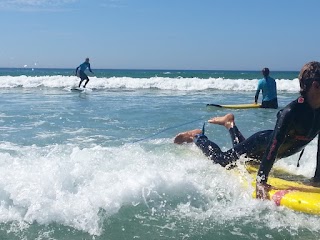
[160,34]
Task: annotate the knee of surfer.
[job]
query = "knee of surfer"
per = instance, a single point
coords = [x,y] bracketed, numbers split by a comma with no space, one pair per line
[226,120]
[187,137]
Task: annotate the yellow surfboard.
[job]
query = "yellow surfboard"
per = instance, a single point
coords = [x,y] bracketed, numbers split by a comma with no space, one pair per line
[235,106]
[294,194]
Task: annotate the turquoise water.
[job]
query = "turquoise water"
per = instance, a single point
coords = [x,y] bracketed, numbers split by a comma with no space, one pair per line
[107,73]
[101,164]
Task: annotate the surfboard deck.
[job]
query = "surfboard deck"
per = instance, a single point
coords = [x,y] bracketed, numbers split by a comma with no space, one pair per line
[235,106]
[295,193]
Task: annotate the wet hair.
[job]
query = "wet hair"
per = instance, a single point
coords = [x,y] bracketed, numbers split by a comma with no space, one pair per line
[265,72]
[87,59]
[310,72]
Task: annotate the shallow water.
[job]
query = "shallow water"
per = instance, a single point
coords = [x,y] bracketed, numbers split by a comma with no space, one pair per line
[101,165]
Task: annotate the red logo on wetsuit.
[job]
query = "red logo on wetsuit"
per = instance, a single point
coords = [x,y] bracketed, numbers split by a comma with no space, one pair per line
[300,100]
[303,138]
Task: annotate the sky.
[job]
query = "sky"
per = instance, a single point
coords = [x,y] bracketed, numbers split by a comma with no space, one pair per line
[160,34]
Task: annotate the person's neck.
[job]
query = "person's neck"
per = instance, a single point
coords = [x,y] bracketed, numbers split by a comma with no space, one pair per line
[313,100]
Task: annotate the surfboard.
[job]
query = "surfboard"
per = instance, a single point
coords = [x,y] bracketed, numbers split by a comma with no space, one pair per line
[235,106]
[77,89]
[289,190]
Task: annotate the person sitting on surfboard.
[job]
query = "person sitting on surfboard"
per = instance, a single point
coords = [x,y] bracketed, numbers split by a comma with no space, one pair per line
[269,91]
[81,74]
[297,125]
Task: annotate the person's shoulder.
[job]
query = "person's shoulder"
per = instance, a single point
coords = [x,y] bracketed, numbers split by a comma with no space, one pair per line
[261,81]
[296,105]
[272,79]
[291,107]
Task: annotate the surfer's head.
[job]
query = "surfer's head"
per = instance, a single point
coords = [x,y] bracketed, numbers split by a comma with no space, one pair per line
[87,59]
[309,73]
[265,72]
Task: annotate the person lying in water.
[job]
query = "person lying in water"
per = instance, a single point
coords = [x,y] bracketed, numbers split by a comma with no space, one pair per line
[297,125]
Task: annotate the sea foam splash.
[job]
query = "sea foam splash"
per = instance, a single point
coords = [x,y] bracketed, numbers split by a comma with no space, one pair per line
[161,83]
[70,186]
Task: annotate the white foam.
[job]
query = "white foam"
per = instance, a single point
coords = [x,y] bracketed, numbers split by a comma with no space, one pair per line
[69,186]
[177,84]
[307,163]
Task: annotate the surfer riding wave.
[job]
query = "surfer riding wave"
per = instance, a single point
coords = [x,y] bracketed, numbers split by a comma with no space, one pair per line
[80,72]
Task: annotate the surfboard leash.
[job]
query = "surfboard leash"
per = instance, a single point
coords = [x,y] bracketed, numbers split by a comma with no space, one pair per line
[173,127]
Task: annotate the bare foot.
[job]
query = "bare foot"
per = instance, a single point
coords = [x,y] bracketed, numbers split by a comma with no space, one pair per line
[186,136]
[226,120]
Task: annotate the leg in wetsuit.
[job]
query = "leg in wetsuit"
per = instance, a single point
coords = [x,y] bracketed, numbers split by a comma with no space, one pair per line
[83,77]
[253,147]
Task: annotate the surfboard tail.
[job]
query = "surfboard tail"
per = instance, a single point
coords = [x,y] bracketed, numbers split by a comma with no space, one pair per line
[214,105]
[235,106]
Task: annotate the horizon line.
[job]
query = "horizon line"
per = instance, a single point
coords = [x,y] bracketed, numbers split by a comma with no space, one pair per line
[147,69]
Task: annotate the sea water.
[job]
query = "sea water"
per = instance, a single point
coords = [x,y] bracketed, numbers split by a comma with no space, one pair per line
[101,164]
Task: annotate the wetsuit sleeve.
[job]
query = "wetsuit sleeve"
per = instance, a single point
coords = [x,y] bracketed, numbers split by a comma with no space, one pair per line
[317,173]
[279,133]
[77,70]
[257,92]
[89,67]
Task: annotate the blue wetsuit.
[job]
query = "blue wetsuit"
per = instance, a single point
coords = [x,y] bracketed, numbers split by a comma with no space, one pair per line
[269,92]
[297,125]
[81,74]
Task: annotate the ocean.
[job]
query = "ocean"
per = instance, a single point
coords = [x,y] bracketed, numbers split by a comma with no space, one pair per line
[101,164]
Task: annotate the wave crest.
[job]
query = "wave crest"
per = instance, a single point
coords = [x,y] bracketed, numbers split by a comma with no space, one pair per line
[161,83]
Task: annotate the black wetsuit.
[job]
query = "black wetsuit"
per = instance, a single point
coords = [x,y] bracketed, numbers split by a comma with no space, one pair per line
[297,125]
[270,104]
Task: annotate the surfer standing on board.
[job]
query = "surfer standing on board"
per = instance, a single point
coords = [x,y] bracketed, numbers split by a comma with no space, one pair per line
[81,74]
[297,125]
[269,91]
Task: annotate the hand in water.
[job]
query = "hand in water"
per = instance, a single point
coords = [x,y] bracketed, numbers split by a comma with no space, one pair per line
[262,190]
[315,182]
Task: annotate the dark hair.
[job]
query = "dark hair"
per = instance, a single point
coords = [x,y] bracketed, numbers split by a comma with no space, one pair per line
[310,72]
[265,72]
